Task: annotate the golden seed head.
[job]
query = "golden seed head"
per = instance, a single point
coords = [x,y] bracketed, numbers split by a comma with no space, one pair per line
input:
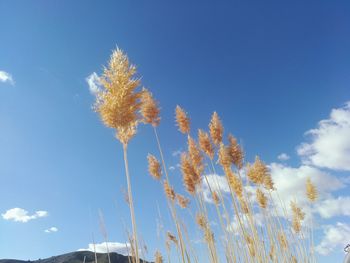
[209,236]
[244,206]
[257,172]
[311,190]
[201,221]
[195,155]
[158,257]
[169,191]
[205,144]
[282,240]
[262,199]
[189,174]
[298,216]
[118,103]
[234,182]
[235,152]
[149,108]
[154,167]
[182,201]
[268,183]
[224,157]
[294,260]
[216,129]
[215,197]
[183,122]
[171,237]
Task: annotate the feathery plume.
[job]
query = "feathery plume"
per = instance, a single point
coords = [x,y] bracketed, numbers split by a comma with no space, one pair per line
[262,199]
[268,183]
[183,122]
[154,167]
[190,176]
[224,157]
[244,206]
[282,240]
[169,191]
[182,201]
[195,155]
[118,102]
[311,190]
[257,172]
[215,197]
[149,108]
[205,144]
[298,216]
[216,129]
[234,182]
[235,151]
[201,221]
[158,257]
[172,238]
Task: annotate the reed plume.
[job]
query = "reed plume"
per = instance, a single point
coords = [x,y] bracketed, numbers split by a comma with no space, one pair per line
[154,167]
[234,182]
[225,159]
[205,144]
[216,198]
[257,172]
[235,151]
[216,129]
[189,174]
[182,120]
[311,190]
[158,257]
[298,216]
[118,104]
[149,108]
[195,155]
[261,198]
[169,191]
[182,201]
[172,238]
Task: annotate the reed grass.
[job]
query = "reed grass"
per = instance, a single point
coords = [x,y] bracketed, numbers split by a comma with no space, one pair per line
[250,228]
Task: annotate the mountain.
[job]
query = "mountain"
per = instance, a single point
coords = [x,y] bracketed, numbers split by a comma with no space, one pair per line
[76,257]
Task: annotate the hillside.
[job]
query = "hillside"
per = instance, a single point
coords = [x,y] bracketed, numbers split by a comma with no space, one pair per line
[75,257]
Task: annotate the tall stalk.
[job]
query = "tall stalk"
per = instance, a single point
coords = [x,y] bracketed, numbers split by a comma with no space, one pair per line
[131,204]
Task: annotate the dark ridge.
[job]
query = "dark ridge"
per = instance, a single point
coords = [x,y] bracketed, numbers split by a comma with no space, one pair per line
[77,257]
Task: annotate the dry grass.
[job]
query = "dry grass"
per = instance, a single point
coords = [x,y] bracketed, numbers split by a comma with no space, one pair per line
[257,233]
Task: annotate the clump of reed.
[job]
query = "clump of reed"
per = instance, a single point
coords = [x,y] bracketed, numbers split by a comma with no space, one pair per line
[251,228]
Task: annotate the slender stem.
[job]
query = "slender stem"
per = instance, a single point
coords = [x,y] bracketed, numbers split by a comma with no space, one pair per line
[131,203]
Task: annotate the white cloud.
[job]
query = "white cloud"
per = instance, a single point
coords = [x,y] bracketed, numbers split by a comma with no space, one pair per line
[335,236]
[283,157]
[334,207]
[6,77]
[51,230]
[94,83]
[119,248]
[290,183]
[329,145]
[172,168]
[176,153]
[21,215]
[217,183]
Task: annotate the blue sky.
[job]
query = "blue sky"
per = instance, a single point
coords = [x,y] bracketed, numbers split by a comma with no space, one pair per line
[272,70]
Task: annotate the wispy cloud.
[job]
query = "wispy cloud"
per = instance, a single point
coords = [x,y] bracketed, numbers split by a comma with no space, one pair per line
[51,230]
[94,83]
[22,215]
[119,248]
[6,77]
[283,157]
[335,236]
[329,145]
